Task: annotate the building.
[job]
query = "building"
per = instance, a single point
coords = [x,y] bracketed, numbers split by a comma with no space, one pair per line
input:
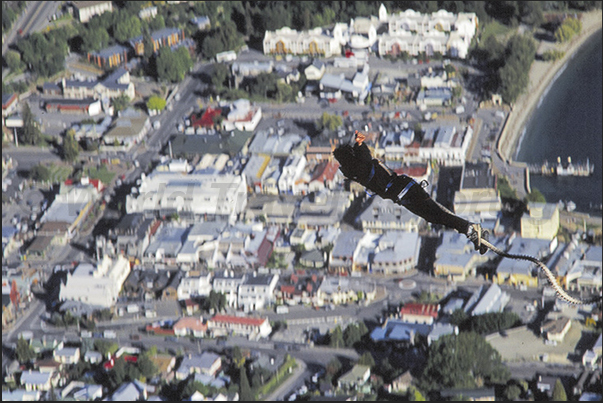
[9,104]
[96,286]
[355,378]
[190,195]
[87,106]
[171,37]
[291,179]
[315,70]
[253,328]
[206,363]
[132,234]
[314,42]
[115,84]
[419,313]
[126,131]
[201,22]
[195,286]
[341,257]
[380,215]
[585,273]
[397,252]
[110,57]
[166,244]
[487,299]
[227,283]
[522,273]
[478,195]
[85,10]
[242,116]
[40,381]
[541,221]
[555,330]
[257,292]
[190,326]
[343,290]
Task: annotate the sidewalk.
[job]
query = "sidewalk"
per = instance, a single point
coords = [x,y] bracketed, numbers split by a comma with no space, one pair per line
[287,385]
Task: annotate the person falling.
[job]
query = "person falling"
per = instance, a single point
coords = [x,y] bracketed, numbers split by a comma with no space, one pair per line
[357,164]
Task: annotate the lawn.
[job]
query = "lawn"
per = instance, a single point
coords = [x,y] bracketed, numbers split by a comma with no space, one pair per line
[101,173]
[495,28]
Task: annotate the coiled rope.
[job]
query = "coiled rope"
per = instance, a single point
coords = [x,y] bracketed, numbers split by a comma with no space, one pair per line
[561,294]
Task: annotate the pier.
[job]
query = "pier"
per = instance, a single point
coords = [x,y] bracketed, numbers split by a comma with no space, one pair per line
[559,169]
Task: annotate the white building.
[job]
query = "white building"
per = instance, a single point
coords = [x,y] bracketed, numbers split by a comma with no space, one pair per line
[257,292]
[316,41]
[253,328]
[291,179]
[194,286]
[242,116]
[97,286]
[196,194]
[228,284]
[397,252]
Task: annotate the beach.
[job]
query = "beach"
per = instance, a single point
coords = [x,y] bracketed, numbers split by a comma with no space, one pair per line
[542,74]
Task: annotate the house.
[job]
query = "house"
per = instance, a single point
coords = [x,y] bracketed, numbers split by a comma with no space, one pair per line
[195,286]
[242,116]
[167,243]
[341,257]
[251,327]
[85,10]
[257,292]
[59,231]
[41,381]
[80,391]
[39,248]
[148,13]
[227,283]
[487,299]
[115,84]
[165,364]
[67,355]
[401,383]
[201,22]
[541,221]
[96,286]
[323,176]
[190,326]
[10,102]
[146,284]
[585,273]
[22,395]
[419,313]
[93,357]
[323,209]
[355,378]
[300,288]
[171,291]
[129,392]
[127,130]
[315,70]
[555,330]
[207,363]
[342,290]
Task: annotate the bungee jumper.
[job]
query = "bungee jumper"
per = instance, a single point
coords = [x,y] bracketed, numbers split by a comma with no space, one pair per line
[357,163]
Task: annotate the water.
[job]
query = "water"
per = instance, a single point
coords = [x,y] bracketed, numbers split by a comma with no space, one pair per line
[568,123]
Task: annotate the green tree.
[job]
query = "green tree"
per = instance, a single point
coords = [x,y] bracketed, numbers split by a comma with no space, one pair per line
[221,73]
[94,39]
[492,322]
[535,196]
[332,368]
[121,102]
[246,393]
[353,333]
[126,27]
[156,102]
[237,357]
[458,317]
[336,338]
[71,148]
[31,133]
[463,361]
[559,394]
[13,60]
[40,173]
[105,347]
[512,392]
[366,359]
[415,395]
[329,122]
[24,351]
[173,65]
[284,93]
[147,368]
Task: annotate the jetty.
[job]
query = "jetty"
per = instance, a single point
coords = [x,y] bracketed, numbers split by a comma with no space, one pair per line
[559,169]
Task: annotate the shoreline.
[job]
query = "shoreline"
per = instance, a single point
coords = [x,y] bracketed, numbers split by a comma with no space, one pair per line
[542,76]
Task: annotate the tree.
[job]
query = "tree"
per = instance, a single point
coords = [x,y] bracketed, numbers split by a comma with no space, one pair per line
[121,102]
[40,173]
[221,73]
[336,338]
[332,368]
[463,361]
[24,351]
[13,60]
[535,196]
[414,395]
[237,357]
[156,102]
[173,65]
[71,148]
[31,133]
[353,333]
[329,122]
[246,394]
[366,359]
[559,394]
[146,367]
[105,347]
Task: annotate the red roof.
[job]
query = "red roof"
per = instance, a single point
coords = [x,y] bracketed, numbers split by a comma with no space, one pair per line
[206,119]
[415,171]
[236,320]
[420,309]
[326,170]
[287,289]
